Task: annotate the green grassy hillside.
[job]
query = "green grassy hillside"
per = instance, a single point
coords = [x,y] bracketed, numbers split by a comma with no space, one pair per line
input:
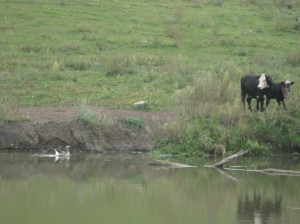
[167,52]
[118,52]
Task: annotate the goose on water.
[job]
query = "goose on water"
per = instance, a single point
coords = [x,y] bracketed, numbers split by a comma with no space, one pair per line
[66,152]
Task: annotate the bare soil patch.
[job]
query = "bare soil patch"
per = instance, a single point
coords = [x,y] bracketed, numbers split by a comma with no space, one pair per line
[46,114]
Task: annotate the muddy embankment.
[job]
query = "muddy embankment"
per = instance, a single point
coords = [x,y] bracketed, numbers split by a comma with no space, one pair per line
[48,128]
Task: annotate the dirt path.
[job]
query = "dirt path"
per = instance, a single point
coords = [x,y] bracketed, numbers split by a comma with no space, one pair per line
[46,114]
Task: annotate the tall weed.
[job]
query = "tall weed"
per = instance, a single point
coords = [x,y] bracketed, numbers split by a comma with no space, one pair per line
[89,118]
[174,29]
[120,65]
[210,94]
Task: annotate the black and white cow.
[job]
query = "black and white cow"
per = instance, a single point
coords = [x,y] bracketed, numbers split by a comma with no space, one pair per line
[256,86]
[279,92]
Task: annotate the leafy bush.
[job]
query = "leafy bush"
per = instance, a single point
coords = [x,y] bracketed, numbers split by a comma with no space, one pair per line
[133,123]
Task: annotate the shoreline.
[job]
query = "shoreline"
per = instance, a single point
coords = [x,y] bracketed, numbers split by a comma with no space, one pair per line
[56,127]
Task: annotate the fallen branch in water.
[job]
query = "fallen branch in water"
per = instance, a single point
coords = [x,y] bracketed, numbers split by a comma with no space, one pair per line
[226,175]
[272,171]
[228,159]
[169,164]
[269,171]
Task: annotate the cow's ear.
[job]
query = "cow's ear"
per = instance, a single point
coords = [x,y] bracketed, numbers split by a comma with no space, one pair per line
[292,83]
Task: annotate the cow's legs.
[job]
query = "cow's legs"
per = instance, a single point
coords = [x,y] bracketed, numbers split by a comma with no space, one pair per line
[283,104]
[249,98]
[257,104]
[267,103]
[243,100]
[261,99]
[278,101]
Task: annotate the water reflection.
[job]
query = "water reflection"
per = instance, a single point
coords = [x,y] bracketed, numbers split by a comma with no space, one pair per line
[78,167]
[126,188]
[257,209]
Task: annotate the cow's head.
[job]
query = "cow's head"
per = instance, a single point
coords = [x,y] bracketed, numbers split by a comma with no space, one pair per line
[264,82]
[286,87]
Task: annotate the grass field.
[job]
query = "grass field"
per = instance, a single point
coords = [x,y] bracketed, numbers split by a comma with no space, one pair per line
[114,53]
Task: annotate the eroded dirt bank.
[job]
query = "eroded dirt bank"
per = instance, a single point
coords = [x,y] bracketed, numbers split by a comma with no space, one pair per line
[55,127]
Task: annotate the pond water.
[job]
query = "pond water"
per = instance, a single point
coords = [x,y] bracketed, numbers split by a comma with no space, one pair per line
[128,188]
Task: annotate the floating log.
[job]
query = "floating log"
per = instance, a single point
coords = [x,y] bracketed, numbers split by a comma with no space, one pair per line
[228,159]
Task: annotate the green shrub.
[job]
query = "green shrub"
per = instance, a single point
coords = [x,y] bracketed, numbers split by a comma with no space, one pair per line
[174,29]
[78,65]
[120,65]
[133,123]
[255,148]
[87,116]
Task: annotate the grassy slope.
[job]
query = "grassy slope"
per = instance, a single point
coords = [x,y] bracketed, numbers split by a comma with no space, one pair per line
[114,53]
[57,52]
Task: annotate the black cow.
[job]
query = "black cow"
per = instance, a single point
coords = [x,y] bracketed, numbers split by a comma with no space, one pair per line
[279,92]
[255,86]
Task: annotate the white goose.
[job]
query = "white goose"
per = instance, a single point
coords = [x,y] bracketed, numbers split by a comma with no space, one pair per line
[65,153]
